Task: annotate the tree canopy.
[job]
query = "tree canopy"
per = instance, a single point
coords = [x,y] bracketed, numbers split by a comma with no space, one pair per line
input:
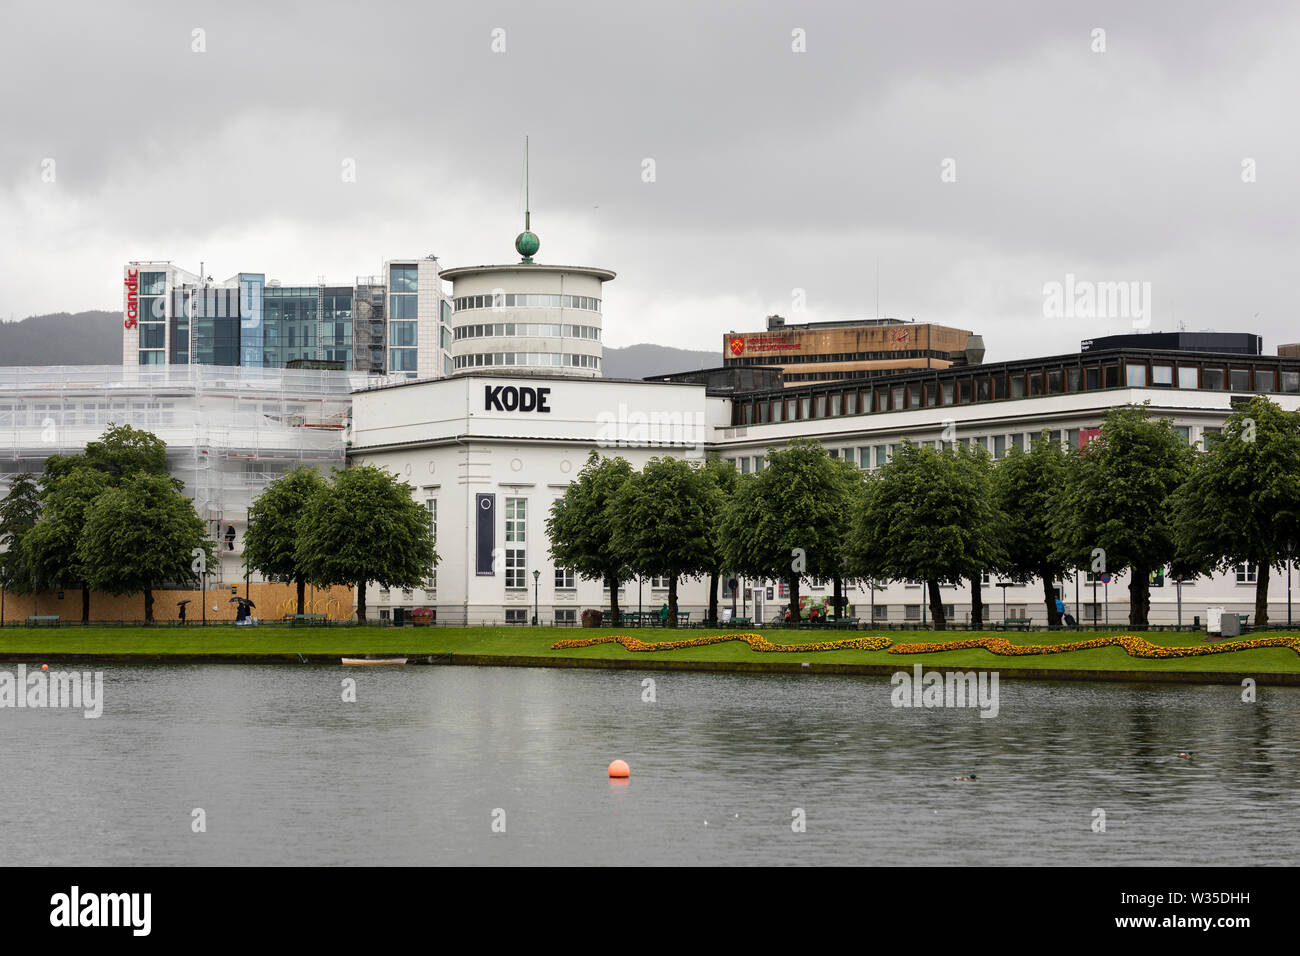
[365,526]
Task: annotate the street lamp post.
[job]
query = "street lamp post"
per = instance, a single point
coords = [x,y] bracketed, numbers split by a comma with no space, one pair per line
[537,578]
[1290,553]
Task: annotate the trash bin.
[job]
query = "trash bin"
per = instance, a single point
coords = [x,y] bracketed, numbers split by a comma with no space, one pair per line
[1213,620]
[1230,625]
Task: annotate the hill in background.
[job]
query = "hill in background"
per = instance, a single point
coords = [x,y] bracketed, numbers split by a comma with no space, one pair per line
[62,338]
[95,338]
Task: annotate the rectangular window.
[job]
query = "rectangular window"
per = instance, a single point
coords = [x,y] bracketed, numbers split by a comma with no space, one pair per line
[403,279]
[1137,375]
[1290,382]
[864,457]
[1162,375]
[564,579]
[1036,384]
[1214,378]
[1187,377]
[1241,380]
[999,446]
[402,334]
[153,283]
[1017,386]
[566,616]
[516,615]
[516,535]
[431,505]
[401,307]
[1263,380]
[658,584]
[1110,377]
[403,360]
[1247,574]
[880,612]
[911,612]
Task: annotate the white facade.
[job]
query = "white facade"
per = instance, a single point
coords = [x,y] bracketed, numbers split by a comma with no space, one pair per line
[450,446]
[456,440]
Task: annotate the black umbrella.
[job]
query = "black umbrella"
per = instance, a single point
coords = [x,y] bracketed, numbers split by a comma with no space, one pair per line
[183,603]
[241,600]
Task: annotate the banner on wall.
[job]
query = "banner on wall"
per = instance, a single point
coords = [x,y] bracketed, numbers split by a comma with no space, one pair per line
[485,518]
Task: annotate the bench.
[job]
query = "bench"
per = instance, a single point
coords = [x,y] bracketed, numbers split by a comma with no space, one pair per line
[295,619]
[739,622]
[1017,623]
[43,620]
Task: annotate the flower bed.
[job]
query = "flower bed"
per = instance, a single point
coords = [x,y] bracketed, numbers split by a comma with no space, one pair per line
[1133,646]
[756,642]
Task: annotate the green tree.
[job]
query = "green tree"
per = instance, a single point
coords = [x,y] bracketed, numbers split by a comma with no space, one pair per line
[119,453]
[54,546]
[788,520]
[19,513]
[1116,510]
[581,525]
[665,523]
[274,521]
[721,477]
[929,515]
[1241,503]
[365,526]
[139,535]
[1025,488]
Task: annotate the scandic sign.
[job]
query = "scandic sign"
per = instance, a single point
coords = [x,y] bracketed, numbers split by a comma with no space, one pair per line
[132,283]
[512,398]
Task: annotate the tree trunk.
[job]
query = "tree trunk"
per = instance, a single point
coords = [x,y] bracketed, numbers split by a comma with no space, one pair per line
[1261,594]
[361,603]
[1139,596]
[936,606]
[1049,598]
[792,580]
[838,600]
[148,605]
[611,582]
[85,603]
[976,602]
[672,601]
[302,595]
[713,599]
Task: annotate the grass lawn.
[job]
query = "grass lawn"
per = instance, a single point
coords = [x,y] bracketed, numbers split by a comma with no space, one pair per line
[536,642]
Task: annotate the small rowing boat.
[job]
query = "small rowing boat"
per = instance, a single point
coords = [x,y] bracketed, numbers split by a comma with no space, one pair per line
[373,661]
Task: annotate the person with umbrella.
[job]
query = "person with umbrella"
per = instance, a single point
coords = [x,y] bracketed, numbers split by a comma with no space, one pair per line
[241,612]
[181,613]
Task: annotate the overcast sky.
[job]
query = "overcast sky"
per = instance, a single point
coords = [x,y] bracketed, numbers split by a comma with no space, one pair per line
[773,170]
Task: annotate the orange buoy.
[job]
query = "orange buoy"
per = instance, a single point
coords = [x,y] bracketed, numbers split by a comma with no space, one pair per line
[45,667]
[619,768]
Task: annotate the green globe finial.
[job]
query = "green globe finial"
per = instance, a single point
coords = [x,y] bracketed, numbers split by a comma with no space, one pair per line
[527,244]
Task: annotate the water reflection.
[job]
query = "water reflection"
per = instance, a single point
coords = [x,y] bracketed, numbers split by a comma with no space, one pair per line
[413,771]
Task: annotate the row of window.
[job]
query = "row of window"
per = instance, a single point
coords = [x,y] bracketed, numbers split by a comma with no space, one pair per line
[529,328]
[999,446]
[510,300]
[565,359]
[999,385]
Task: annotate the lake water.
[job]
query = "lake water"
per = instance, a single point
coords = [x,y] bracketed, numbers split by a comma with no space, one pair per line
[414,770]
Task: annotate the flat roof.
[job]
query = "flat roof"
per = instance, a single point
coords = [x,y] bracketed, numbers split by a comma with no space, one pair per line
[522,374]
[605,275]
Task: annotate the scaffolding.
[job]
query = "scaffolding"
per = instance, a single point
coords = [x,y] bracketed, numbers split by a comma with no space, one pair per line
[230,431]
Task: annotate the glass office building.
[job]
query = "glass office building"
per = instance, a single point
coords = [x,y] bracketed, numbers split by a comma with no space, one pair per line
[397,323]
